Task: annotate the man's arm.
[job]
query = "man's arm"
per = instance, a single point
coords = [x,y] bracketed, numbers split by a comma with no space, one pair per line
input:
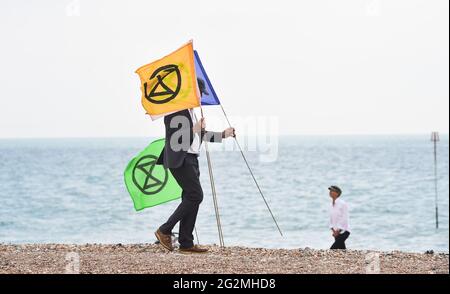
[208,136]
[343,218]
[214,137]
[335,231]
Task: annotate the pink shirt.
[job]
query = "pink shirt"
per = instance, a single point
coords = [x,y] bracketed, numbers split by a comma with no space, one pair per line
[339,216]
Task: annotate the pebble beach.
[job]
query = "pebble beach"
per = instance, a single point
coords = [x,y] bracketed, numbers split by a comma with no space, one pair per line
[153,259]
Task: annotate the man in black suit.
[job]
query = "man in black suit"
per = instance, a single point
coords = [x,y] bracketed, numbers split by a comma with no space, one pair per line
[184,135]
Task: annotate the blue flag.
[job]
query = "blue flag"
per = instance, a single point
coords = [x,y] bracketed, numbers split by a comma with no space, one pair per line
[209,96]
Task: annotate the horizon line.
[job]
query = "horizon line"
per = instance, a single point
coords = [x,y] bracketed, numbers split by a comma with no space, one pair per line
[257,135]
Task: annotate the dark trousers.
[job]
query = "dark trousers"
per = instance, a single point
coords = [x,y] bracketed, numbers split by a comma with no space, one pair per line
[339,241]
[187,176]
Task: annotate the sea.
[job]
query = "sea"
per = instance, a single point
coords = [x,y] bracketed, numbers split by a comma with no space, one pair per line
[72,191]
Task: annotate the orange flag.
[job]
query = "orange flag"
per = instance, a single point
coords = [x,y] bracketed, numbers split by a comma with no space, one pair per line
[169,84]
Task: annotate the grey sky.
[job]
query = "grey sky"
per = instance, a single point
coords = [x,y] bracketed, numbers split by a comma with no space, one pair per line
[321,67]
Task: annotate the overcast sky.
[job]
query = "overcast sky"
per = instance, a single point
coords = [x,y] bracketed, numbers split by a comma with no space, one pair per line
[320,67]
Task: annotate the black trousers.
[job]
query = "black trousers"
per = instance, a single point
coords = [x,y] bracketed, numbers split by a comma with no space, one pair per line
[188,177]
[339,241]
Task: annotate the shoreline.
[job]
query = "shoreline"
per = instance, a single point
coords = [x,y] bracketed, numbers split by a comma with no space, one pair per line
[153,259]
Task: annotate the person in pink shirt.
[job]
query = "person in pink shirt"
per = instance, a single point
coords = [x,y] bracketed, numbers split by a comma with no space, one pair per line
[339,218]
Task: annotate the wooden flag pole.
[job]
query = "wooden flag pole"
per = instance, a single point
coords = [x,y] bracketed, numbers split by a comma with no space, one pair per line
[213,190]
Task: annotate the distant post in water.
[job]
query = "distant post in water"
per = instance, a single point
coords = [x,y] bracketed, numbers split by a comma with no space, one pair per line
[435,139]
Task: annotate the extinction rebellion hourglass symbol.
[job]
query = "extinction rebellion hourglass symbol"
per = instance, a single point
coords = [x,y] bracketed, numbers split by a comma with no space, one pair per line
[161,92]
[149,177]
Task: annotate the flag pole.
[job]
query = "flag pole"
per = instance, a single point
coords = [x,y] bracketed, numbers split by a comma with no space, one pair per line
[435,139]
[213,190]
[196,235]
[251,173]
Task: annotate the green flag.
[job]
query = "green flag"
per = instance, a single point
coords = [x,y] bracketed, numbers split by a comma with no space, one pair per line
[148,183]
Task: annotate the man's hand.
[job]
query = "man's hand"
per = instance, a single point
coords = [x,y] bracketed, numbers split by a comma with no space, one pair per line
[230,132]
[201,124]
[336,233]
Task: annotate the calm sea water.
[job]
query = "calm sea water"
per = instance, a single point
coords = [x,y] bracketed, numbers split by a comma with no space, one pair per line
[72,191]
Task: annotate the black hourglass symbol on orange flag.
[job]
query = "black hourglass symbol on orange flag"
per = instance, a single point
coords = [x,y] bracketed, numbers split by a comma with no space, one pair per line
[161,93]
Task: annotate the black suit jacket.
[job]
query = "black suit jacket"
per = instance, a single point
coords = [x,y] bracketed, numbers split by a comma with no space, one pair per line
[179,137]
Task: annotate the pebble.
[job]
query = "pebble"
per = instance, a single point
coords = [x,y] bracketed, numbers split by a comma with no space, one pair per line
[150,258]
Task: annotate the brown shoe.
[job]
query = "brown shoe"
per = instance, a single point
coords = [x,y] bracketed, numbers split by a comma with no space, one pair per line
[164,240]
[193,249]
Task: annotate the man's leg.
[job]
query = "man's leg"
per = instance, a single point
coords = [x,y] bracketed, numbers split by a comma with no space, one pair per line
[344,238]
[176,216]
[336,244]
[339,242]
[187,223]
[187,178]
